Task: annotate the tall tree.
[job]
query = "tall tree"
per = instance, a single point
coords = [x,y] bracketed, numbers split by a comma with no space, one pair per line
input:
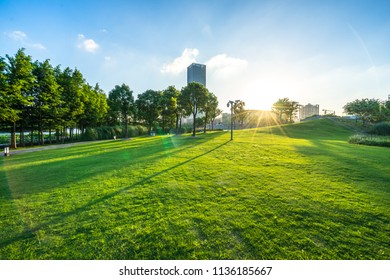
[213,116]
[5,111]
[193,98]
[285,109]
[121,102]
[239,113]
[210,109]
[47,98]
[71,83]
[95,107]
[149,107]
[20,81]
[369,110]
[169,107]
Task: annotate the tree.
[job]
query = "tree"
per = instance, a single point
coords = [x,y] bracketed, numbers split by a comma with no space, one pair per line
[169,107]
[47,98]
[213,116]
[369,110]
[149,107]
[386,109]
[239,112]
[5,111]
[193,98]
[71,83]
[210,109]
[95,107]
[121,101]
[20,81]
[285,109]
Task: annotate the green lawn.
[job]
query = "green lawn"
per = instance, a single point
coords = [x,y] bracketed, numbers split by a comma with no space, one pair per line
[290,192]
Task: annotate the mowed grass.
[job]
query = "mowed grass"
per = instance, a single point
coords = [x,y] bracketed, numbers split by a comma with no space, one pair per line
[289,192]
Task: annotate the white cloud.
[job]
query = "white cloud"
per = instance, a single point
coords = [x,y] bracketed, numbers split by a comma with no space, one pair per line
[88,45]
[223,66]
[17,35]
[22,38]
[37,46]
[181,63]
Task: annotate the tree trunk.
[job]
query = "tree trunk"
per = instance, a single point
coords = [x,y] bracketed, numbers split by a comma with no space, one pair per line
[13,136]
[194,125]
[127,128]
[177,124]
[32,136]
[205,123]
[57,136]
[22,135]
[63,134]
[71,132]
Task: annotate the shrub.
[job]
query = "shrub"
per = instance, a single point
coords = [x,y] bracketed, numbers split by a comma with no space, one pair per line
[133,131]
[90,134]
[380,141]
[382,128]
[108,132]
[142,130]
[118,131]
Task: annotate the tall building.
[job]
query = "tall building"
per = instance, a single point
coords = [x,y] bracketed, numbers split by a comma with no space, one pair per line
[196,73]
[308,111]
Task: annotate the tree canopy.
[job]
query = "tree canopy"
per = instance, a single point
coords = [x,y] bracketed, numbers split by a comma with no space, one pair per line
[194,98]
[285,109]
[369,110]
[38,98]
[121,102]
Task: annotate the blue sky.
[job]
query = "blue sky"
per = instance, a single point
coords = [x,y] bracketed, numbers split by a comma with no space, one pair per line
[318,52]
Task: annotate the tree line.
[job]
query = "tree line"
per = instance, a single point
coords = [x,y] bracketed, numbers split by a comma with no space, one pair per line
[37,97]
[369,110]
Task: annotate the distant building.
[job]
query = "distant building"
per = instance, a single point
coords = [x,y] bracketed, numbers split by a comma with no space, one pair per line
[196,73]
[308,110]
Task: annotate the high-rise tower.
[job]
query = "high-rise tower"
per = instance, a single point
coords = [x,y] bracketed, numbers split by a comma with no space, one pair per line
[196,73]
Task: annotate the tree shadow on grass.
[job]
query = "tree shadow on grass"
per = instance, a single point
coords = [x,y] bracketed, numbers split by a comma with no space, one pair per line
[352,163]
[58,169]
[316,130]
[360,191]
[30,233]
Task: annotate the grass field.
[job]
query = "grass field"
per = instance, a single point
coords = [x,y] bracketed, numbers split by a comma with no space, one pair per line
[291,192]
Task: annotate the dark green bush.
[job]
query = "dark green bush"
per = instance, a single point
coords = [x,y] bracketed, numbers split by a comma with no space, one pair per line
[382,128]
[108,132]
[369,140]
[90,134]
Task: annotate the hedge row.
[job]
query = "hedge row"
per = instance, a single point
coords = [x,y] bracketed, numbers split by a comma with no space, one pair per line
[108,132]
[369,140]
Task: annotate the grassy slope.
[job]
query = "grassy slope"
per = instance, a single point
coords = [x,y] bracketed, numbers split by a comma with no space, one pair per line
[290,192]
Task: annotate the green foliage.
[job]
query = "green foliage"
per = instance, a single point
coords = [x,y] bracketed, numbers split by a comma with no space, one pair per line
[382,128]
[290,192]
[90,134]
[194,98]
[121,102]
[286,109]
[210,109]
[169,108]
[369,110]
[369,140]
[37,97]
[149,107]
